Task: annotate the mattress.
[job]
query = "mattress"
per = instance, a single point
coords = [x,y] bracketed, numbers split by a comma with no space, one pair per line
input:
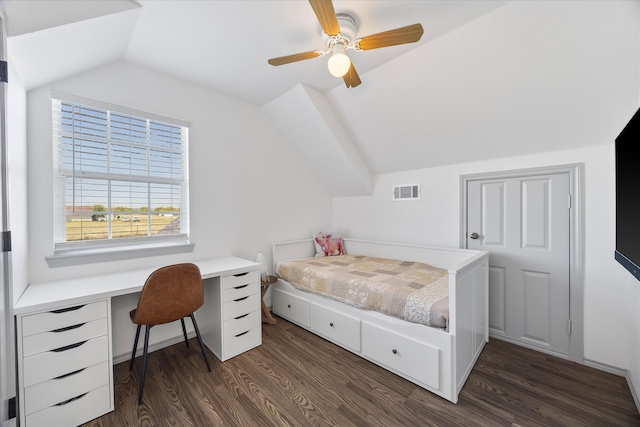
[412,291]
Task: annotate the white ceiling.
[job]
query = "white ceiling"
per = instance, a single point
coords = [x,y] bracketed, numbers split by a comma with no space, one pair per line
[488,78]
[223,45]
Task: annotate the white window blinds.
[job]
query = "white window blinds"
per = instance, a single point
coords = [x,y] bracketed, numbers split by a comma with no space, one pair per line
[120,179]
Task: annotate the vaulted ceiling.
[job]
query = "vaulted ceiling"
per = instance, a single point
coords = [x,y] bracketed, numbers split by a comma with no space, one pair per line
[488,78]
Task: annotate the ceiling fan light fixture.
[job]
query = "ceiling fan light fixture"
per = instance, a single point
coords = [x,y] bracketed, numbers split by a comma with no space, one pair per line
[339,63]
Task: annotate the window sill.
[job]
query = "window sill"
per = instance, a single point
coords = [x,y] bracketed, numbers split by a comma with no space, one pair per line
[120,254]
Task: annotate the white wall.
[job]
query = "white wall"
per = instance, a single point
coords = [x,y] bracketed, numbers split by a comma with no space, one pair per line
[528,77]
[17,148]
[609,305]
[247,188]
[634,350]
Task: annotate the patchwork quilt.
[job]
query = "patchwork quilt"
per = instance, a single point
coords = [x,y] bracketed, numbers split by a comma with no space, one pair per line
[412,291]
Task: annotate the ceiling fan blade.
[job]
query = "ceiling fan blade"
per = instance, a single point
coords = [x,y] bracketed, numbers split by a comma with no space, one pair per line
[326,16]
[352,79]
[408,34]
[294,58]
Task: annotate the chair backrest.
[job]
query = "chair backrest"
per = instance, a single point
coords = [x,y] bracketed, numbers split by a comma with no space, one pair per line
[170,293]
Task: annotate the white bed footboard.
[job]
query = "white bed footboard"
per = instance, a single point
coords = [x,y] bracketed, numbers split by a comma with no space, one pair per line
[436,360]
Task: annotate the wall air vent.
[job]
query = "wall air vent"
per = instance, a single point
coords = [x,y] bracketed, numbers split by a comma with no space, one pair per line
[406,192]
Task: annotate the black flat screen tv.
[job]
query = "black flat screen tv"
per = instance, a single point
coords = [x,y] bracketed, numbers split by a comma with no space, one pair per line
[628,196]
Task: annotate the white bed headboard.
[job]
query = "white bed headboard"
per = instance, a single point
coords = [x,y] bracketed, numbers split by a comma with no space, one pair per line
[447,258]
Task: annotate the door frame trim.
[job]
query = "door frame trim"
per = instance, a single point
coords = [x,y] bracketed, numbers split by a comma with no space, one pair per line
[576,239]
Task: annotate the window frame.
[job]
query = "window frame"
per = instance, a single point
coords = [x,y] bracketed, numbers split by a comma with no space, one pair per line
[109,249]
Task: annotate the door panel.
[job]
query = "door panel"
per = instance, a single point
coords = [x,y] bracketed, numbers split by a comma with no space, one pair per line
[497,291]
[492,222]
[537,291]
[524,223]
[535,195]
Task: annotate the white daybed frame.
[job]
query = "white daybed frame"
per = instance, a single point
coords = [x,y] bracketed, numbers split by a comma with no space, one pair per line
[436,360]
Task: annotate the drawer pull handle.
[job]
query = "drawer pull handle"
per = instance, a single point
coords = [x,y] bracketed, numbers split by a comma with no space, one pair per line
[288,305]
[68,347]
[65,310]
[241,299]
[69,328]
[69,374]
[331,324]
[71,400]
[241,334]
[240,317]
[394,351]
[241,274]
[242,286]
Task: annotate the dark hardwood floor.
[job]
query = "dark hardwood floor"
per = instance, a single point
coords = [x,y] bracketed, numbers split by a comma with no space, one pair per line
[298,379]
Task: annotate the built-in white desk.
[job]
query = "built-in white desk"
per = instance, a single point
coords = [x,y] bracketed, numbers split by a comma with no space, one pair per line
[64,339]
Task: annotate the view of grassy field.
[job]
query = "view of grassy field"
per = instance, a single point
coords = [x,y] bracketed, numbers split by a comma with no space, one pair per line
[127,226]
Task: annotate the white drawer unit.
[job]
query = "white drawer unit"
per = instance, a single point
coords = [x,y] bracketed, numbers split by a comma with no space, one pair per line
[338,327]
[291,307]
[402,355]
[64,365]
[64,341]
[237,325]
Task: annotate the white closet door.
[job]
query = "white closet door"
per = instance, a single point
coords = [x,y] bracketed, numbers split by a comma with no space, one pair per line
[524,223]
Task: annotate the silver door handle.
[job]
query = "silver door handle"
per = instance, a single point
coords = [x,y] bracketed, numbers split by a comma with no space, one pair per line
[474,236]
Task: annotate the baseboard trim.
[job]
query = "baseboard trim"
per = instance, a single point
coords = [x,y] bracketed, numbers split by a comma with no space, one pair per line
[125,357]
[525,345]
[607,368]
[632,389]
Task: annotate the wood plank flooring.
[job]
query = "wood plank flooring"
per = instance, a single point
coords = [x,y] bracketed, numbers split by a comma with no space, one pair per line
[298,379]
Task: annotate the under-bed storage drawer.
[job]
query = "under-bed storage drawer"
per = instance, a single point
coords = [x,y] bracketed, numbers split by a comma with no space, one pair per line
[291,307]
[402,354]
[337,327]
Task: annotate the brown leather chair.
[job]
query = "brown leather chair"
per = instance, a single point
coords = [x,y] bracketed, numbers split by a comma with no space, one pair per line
[170,293]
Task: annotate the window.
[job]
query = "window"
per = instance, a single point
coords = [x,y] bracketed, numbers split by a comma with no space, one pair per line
[120,178]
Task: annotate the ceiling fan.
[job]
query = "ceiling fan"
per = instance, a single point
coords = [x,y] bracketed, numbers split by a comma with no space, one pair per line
[339,35]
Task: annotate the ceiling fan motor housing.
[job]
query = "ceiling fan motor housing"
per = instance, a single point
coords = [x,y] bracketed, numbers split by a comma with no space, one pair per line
[347,34]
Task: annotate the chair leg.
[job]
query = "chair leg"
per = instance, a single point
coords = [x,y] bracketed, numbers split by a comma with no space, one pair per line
[144,362]
[204,353]
[184,332]
[135,345]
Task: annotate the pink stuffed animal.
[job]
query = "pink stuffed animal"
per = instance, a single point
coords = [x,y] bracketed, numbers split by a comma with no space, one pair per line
[330,245]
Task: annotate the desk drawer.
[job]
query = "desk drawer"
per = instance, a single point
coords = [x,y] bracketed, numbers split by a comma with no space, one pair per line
[46,341]
[51,364]
[240,291]
[56,319]
[82,408]
[242,342]
[238,307]
[233,327]
[240,279]
[54,391]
